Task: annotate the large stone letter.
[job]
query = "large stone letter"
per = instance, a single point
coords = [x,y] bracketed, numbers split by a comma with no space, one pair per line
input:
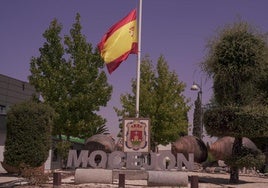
[134,161]
[103,159]
[74,162]
[116,160]
[188,164]
[166,160]
[152,159]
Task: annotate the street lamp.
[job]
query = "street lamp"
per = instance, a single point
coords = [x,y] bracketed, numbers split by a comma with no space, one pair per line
[197,87]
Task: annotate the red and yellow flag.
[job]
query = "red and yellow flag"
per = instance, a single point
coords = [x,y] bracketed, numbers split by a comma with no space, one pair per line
[119,42]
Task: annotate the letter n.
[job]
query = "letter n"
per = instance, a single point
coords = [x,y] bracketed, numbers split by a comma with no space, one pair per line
[182,160]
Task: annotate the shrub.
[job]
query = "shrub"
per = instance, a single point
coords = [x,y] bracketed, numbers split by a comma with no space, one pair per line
[247,158]
[28,134]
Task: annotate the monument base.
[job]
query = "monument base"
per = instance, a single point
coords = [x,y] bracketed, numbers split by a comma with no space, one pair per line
[153,178]
[88,175]
[167,178]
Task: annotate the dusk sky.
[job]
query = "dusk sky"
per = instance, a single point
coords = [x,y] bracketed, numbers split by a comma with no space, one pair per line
[177,29]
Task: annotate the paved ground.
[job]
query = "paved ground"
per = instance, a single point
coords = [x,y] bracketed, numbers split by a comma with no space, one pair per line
[206,180]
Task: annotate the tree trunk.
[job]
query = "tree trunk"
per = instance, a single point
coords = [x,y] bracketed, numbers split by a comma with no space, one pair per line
[234,170]
[234,175]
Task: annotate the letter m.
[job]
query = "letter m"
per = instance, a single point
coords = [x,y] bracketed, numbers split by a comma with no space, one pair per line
[74,162]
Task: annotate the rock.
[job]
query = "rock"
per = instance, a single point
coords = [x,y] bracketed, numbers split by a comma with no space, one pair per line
[221,163]
[190,144]
[100,142]
[222,148]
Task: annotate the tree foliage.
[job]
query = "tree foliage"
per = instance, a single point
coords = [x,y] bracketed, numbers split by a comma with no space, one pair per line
[161,100]
[68,74]
[248,122]
[28,138]
[237,61]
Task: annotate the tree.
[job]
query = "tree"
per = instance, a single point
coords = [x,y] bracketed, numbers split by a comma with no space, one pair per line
[237,61]
[70,78]
[28,138]
[161,100]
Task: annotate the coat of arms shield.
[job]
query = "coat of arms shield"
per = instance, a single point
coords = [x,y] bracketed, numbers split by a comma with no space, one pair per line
[136,135]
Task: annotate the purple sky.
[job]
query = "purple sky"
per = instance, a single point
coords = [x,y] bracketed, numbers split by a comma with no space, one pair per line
[176,29]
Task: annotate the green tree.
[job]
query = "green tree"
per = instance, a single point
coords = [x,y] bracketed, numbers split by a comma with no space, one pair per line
[28,138]
[237,62]
[161,100]
[69,76]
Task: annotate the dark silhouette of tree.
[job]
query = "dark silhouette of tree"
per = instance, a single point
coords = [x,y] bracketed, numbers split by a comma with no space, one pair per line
[197,122]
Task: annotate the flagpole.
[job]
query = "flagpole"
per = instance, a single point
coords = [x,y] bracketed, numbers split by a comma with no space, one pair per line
[138,61]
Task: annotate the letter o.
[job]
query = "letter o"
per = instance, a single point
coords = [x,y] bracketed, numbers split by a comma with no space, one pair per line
[102,163]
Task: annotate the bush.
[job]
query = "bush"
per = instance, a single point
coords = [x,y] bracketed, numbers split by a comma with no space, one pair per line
[28,134]
[247,158]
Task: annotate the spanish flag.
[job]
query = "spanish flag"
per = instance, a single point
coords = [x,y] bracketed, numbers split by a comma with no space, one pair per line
[119,42]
